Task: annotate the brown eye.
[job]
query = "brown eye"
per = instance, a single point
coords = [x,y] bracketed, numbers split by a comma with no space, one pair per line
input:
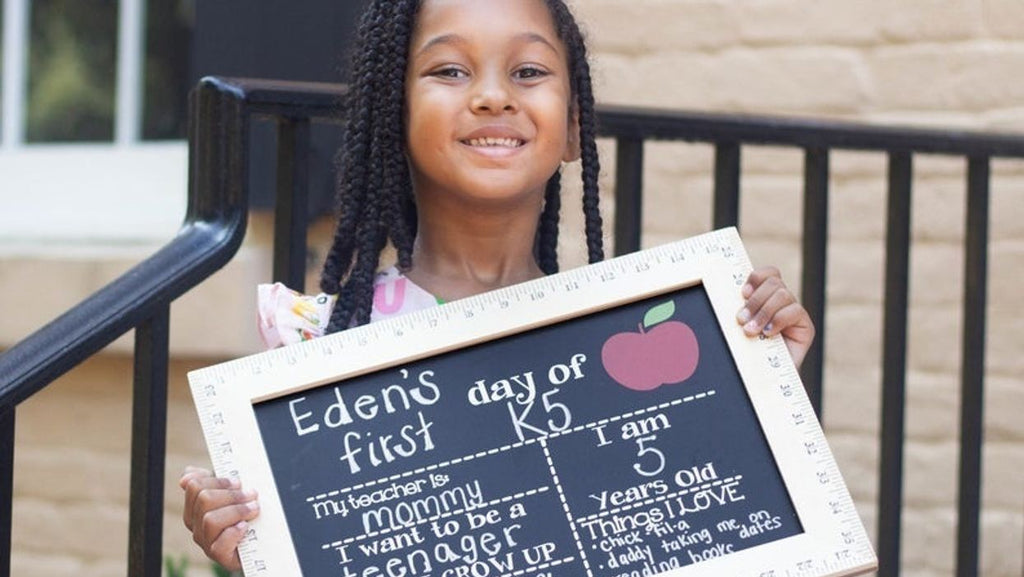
[449,72]
[530,73]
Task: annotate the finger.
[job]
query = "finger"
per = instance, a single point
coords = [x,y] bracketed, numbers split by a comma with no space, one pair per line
[212,500]
[194,484]
[763,319]
[224,549]
[191,472]
[794,323]
[207,489]
[758,276]
[766,299]
[217,532]
[789,318]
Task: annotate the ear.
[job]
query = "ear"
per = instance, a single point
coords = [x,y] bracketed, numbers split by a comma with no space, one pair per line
[572,144]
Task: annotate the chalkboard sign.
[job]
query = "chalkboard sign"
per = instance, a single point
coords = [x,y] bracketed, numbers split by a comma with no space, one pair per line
[611,421]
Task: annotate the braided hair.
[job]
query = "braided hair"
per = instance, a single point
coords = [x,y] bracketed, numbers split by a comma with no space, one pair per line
[375,197]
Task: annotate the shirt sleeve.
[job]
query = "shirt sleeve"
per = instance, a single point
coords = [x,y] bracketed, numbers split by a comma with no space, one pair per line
[287,317]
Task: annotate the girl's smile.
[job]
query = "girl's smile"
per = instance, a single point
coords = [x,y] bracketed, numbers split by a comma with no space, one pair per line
[495,141]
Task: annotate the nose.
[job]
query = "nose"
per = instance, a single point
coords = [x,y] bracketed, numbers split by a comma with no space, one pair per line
[493,95]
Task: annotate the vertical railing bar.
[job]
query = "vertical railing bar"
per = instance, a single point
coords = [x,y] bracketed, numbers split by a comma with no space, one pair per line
[6,489]
[131,51]
[15,62]
[972,379]
[149,440]
[815,266]
[894,351]
[726,210]
[290,214]
[629,186]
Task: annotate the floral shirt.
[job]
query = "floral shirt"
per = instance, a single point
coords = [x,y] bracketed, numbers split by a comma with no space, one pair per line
[287,317]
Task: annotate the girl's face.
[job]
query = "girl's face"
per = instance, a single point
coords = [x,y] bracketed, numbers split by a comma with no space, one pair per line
[488,101]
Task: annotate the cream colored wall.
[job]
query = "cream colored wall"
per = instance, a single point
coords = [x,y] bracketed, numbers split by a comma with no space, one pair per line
[933,62]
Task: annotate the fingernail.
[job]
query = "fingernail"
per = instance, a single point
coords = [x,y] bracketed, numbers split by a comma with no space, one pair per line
[253,505]
[249,493]
[751,327]
[748,289]
[234,483]
[743,316]
[767,328]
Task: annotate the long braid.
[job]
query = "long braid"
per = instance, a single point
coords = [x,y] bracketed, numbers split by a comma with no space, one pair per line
[352,162]
[399,201]
[581,85]
[547,230]
[374,192]
[591,170]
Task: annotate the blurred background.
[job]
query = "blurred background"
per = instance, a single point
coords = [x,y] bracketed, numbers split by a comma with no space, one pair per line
[94,172]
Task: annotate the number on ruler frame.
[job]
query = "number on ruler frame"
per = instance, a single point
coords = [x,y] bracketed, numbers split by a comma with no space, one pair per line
[836,507]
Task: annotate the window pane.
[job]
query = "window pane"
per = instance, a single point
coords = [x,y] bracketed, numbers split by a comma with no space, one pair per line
[169,26]
[72,70]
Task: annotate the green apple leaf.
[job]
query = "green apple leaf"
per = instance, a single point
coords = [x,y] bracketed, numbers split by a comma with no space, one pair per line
[660,313]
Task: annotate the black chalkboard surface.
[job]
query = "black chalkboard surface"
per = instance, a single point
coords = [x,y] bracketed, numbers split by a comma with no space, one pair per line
[625,439]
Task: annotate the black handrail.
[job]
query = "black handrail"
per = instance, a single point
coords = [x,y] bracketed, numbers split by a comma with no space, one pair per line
[216,219]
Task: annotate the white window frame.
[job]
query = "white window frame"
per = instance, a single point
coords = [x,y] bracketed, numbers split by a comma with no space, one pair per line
[125,191]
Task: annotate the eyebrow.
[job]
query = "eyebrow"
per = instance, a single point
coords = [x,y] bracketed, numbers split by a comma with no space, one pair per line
[524,37]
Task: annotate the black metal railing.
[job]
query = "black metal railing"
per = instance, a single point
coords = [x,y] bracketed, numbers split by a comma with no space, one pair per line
[728,134]
[216,220]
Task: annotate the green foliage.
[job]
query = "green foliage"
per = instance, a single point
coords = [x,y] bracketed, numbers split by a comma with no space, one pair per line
[72,71]
[222,572]
[175,569]
[73,63]
[179,568]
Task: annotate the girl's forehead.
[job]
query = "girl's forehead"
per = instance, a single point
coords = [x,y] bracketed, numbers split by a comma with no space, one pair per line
[483,19]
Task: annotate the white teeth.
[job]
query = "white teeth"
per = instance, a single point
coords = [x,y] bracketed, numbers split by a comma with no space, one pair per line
[506,142]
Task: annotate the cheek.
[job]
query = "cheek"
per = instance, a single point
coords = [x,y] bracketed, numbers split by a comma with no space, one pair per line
[552,110]
[425,127]
[556,122]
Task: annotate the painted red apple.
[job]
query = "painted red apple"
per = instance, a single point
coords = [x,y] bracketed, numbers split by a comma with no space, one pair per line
[663,352]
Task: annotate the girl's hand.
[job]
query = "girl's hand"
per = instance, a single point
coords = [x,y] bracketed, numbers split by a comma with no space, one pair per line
[772,309]
[217,512]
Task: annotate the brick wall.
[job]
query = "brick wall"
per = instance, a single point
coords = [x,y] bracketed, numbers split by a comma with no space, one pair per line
[922,62]
[918,62]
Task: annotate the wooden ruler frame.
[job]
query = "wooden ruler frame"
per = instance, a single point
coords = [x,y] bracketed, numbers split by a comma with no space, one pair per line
[833,541]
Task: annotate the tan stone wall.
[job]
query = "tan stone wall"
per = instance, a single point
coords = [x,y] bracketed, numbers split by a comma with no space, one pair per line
[932,62]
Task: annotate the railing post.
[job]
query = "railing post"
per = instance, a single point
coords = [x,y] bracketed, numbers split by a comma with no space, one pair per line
[629,186]
[727,185]
[894,353]
[290,211]
[6,488]
[149,440]
[815,265]
[972,375]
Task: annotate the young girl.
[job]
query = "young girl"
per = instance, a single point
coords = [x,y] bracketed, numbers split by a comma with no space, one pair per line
[461,113]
